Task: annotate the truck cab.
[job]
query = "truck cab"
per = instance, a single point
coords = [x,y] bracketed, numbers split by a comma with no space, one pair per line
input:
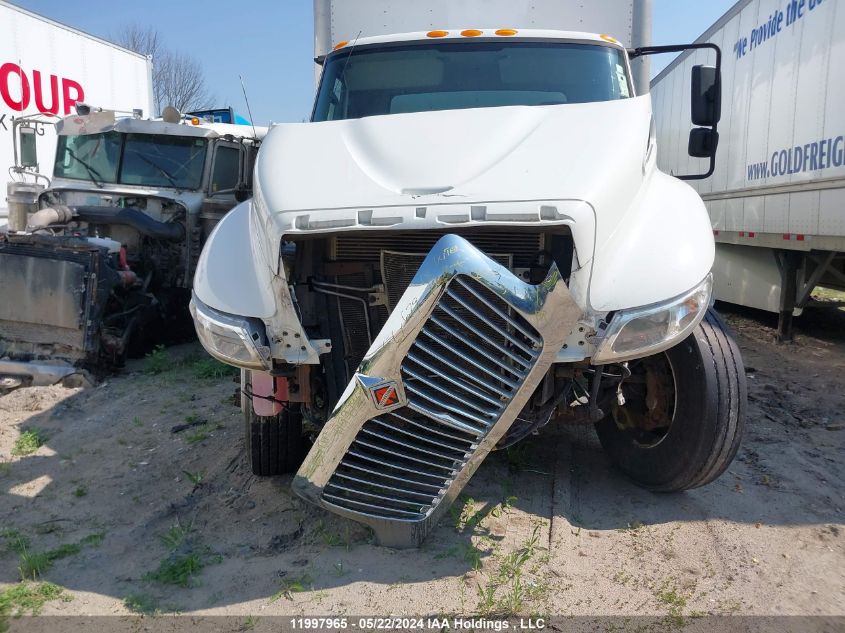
[470,239]
[100,260]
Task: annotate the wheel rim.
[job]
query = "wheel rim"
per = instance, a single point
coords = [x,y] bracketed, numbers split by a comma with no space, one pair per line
[650,401]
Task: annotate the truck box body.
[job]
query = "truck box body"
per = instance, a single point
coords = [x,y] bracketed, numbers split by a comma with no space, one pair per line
[629,21]
[779,179]
[46,67]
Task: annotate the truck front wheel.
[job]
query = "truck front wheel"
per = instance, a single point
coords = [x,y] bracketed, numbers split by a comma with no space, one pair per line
[274,444]
[679,422]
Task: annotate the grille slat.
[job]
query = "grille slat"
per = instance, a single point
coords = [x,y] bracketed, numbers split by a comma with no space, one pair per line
[415,390]
[427,496]
[386,512]
[400,502]
[429,429]
[478,393]
[451,459]
[475,362]
[430,381]
[401,462]
[502,315]
[484,338]
[420,437]
[489,323]
[387,464]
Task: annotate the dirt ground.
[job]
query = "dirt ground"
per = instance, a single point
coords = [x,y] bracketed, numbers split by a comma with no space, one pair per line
[121,511]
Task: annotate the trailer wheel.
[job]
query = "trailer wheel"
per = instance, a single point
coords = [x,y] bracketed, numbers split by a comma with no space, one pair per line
[274,444]
[683,414]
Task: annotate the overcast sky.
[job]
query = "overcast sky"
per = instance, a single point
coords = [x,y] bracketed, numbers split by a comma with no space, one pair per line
[270,42]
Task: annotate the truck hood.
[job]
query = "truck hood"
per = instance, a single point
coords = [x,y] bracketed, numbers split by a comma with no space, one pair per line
[584,165]
[456,156]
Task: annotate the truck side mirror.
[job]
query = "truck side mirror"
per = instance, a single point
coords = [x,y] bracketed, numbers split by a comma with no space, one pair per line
[703,142]
[706,104]
[29,152]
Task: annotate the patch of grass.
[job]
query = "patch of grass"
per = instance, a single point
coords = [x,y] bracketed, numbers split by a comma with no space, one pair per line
[80,491]
[674,600]
[199,434]
[136,421]
[28,442]
[93,540]
[210,368]
[290,586]
[28,599]
[248,625]
[516,591]
[32,564]
[178,534]
[141,603]
[5,468]
[178,570]
[158,361]
[196,478]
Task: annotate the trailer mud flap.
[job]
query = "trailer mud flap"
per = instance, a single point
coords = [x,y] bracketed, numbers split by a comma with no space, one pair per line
[460,355]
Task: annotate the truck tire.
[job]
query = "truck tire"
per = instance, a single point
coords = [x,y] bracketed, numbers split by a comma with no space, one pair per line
[274,444]
[682,420]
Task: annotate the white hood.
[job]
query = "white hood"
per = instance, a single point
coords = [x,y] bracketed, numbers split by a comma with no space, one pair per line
[588,160]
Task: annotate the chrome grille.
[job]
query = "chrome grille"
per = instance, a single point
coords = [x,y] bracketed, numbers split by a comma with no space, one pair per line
[460,375]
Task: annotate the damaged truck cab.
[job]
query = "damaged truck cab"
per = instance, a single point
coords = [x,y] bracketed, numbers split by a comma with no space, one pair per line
[469,240]
[99,263]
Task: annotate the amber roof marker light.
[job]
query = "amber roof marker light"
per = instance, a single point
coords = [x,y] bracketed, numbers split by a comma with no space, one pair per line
[609,38]
[506,32]
[341,44]
[437,33]
[471,33]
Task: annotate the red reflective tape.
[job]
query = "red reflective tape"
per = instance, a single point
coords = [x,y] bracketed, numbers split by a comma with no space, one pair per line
[742,233]
[786,236]
[751,234]
[800,237]
[716,231]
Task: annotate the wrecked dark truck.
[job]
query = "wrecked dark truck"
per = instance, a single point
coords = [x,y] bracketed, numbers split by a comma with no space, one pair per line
[97,264]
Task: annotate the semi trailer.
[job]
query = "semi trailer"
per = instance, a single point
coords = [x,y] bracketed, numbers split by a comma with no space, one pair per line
[776,198]
[45,69]
[471,238]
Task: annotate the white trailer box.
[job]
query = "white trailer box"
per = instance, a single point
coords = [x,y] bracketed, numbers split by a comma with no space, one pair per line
[777,195]
[46,67]
[629,21]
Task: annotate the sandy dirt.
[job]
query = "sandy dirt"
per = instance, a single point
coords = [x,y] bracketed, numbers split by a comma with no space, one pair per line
[550,528]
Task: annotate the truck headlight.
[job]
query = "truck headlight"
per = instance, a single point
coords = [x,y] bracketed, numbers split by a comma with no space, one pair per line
[234,340]
[651,329]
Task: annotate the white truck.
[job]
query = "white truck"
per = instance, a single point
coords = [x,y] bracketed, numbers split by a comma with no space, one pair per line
[47,67]
[98,264]
[776,198]
[469,239]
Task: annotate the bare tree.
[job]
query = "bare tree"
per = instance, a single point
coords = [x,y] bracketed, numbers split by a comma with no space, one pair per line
[178,79]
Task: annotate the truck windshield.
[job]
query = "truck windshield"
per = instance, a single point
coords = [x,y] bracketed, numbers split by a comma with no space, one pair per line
[452,75]
[150,160]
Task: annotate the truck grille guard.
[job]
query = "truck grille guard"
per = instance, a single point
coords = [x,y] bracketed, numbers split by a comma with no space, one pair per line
[458,358]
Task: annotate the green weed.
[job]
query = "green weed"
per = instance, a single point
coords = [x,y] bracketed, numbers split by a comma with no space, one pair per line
[197,435]
[290,586]
[177,535]
[210,368]
[28,442]
[157,361]
[141,603]
[177,570]
[80,491]
[27,599]
[196,478]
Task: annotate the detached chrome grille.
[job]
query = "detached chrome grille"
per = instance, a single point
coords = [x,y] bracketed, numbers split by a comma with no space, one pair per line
[456,361]
[459,377]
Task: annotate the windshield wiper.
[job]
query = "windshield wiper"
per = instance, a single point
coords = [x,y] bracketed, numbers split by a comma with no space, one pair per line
[93,174]
[161,169]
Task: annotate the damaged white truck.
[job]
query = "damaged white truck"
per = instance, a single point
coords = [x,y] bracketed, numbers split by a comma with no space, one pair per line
[97,263]
[469,239]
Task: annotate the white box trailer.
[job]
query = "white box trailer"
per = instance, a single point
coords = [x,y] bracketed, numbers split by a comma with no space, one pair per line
[46,67]
[777,196]
[629,21]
